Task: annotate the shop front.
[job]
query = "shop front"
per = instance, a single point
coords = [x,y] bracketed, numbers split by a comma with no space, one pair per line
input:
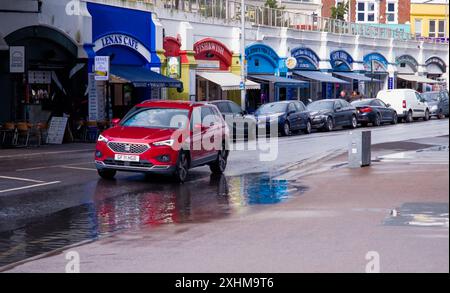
[44,76]
[407,76]
[265,67]
[179,64]
[342,65]
[135,68]
[376,67]
[436,70]
[322,85]
[214,79]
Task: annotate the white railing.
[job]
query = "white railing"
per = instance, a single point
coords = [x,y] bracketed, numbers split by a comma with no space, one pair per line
[230,11]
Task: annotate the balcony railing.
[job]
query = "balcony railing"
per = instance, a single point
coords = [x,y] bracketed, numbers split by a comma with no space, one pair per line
[230,11]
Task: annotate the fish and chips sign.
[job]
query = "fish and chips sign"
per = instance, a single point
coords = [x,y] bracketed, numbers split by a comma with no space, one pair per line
[101,68]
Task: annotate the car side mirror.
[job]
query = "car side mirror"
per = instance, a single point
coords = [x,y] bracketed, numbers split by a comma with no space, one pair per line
[338,109]
[388,105]
[244,112]
[115,122]
[291,112]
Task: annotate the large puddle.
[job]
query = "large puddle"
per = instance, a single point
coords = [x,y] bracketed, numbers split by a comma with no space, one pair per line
[110,208]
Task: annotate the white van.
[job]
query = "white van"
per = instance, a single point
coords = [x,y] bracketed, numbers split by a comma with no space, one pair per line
[408,104]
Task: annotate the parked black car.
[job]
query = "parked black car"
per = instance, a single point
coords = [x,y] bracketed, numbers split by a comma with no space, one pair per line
[331,113]
[374,111]
[437,103]
[239,121]
[288,115]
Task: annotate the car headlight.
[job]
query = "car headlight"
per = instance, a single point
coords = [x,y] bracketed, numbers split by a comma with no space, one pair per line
[102,139]
[168,142]
[435,107]
[320,117]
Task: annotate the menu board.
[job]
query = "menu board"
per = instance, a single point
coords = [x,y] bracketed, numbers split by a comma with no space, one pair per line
[56,130]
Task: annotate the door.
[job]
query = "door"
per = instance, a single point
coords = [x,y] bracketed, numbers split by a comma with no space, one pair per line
[202,123]
[419,106]
[293,116]
[303,115]
[339,113]
[380,106]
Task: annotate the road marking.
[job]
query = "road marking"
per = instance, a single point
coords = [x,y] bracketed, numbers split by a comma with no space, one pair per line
[46,153]
[29,186]
[78,168]
[50,166]
[22,179]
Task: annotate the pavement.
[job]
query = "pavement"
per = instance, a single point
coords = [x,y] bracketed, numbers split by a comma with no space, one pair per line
[308,214]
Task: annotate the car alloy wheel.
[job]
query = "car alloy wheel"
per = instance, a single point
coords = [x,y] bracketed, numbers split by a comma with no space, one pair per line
[394,119]
[377,120]
[409,117]
[182,167]
[308,129]
[220,164]
[286,129]
[330,124]
[354,122]
[427,115]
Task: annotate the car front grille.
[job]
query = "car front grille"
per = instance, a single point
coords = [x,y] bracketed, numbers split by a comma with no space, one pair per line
[142,164]
[128,148]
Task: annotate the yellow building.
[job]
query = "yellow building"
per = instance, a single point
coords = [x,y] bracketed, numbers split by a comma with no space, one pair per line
[429,18]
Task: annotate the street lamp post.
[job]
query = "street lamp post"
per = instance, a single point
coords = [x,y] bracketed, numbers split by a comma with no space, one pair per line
[243,69]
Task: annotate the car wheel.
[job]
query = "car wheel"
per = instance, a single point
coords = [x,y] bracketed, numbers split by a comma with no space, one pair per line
[308,128]
[329,124]
[354,122]
[220,164]
[286,129]
[394,119]
[409,117]
[427,115]
[106,174]
[182,167]
[377,121]
[440,115]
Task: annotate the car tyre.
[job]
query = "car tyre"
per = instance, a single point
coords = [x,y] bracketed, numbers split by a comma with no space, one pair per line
[329,124]
[182,167]
[286,131]
[409,117]
[377,121]
[220,164]
[308,128]
[394,119]
[427,115]
[354,122]
[107,174]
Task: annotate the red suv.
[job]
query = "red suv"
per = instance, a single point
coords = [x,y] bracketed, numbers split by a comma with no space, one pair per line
[165,137]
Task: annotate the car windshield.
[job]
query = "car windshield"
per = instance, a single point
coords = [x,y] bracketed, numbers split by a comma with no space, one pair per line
[321,105]
[271,108]
[361,103]
[158,118]
[431,97]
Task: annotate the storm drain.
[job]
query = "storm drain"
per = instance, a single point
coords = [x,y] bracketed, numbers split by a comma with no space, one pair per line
[419,214]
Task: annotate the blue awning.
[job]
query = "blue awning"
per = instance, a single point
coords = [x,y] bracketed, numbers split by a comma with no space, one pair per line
[319,76]
[279,81]
[144,77]
[355,76]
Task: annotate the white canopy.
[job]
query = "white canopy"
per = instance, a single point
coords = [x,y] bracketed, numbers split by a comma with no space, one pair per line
[227,80]
[416,78]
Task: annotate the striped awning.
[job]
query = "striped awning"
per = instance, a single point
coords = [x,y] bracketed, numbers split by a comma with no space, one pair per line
[227,80]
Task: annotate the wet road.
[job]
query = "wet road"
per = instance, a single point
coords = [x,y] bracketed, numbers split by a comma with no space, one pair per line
[51,200]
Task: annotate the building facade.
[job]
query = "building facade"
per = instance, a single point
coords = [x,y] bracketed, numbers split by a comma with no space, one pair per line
[430,19]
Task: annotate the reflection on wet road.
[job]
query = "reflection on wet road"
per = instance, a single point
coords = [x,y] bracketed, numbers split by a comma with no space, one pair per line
[133,203]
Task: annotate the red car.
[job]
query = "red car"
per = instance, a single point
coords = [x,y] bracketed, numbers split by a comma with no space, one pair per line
[165,137]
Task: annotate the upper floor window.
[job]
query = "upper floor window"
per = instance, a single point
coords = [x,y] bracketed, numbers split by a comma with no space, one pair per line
[418,27]
[391,12]
[366,11]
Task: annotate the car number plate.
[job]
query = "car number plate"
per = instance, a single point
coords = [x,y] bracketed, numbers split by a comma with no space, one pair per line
[126,158]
